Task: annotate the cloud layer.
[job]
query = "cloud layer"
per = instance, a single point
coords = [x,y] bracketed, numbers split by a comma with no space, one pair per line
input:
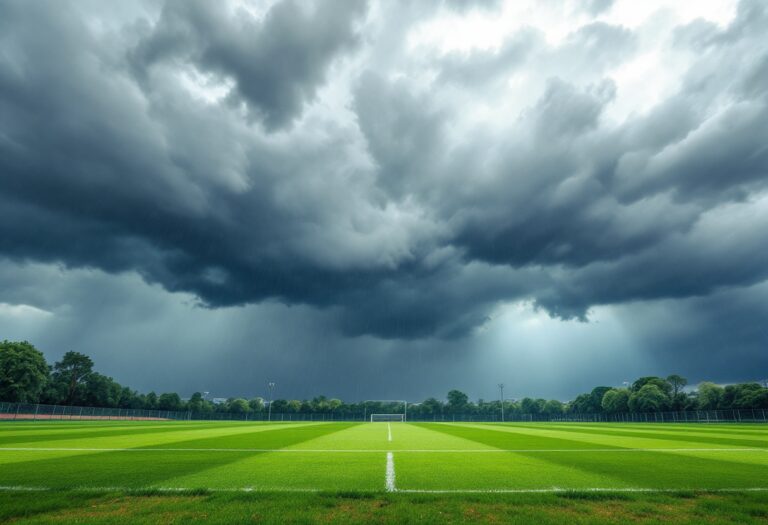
[373,163]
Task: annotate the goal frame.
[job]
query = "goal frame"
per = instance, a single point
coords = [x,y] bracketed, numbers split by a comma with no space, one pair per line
[395,418]
[404,414]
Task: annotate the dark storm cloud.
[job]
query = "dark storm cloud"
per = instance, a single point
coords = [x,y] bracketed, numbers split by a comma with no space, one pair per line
[244,158]
[277,63]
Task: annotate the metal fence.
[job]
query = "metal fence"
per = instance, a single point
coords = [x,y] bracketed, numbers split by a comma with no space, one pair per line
[34,411]
[744,415]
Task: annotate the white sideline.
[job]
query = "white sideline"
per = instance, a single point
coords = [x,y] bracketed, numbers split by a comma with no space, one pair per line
[389,432]
[389,477]
[550,490]
[378,451]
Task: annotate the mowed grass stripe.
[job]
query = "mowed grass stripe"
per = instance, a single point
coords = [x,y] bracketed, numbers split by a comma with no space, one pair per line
[726,430]
[693,438]
[138,438]
[652,469]
[504,438]
[635,441]
[349,456]
[143,467]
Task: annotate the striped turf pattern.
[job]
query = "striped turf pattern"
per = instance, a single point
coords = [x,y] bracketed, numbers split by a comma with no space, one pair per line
[397,457]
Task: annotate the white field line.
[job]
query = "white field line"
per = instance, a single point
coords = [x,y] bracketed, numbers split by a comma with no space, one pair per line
[549,490]
[389,477]
[576,490]
[389,432]
[21,488]
[378,451]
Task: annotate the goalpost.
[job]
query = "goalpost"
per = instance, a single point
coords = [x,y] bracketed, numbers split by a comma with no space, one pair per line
[390,416]
[387,417]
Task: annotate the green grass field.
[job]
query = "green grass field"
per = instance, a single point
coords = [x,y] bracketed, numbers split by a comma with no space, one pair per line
[359,461]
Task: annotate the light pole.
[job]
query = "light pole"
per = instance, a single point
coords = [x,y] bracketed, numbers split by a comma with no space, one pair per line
[271,386]
[501,389]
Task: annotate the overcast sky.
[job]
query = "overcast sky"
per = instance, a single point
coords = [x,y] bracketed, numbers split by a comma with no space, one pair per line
[387,199]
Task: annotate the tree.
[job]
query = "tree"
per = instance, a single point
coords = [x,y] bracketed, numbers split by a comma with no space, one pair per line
[530,406]
[279,406]
[650,398]
[23,372]
[432,406]
[743,395]
[457,401]
[70,374]
[596,398]
[553,407]
[239,406]
[169,401]
[663,384]
[709,396]
[196,402]
[256,404]
[101,391]
[581,405]
[150,401]
[616,400]
[678,397]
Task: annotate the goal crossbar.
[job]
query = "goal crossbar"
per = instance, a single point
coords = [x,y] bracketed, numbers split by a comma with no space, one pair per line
[387,417]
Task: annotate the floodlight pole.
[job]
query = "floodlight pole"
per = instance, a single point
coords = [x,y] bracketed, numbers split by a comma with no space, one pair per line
[271,386]
[501,389]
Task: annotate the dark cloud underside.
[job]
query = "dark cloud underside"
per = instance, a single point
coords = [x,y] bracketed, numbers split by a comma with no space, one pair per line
[310,153]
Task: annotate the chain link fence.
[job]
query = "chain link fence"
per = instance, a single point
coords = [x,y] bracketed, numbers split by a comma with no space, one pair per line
[34,411]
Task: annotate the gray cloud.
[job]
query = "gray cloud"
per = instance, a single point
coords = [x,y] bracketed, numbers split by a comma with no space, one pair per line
[307,156]
[277,63]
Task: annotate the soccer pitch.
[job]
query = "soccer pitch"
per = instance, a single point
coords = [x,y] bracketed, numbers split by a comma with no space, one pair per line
[382,457]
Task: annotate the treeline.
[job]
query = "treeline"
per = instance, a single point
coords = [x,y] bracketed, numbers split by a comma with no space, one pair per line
[26,377]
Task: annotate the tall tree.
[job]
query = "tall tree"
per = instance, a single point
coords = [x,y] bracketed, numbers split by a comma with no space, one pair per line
[457,400]
[710,396]
[678,397]
[663,384]
[169,401]
[596,398]
[432,406]
[71,373]
[23,372]
[553,407]
[650,398]
[616,400]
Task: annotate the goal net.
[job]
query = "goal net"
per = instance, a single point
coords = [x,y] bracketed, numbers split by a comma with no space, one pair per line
[387,417]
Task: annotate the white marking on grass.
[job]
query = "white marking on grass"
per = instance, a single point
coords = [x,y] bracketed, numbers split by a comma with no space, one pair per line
[549,490]
[389,432]
[552,490]
[158,489]
[389,477]
[379,451]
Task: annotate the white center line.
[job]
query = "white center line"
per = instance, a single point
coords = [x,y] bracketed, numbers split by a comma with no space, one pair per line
[389,478]
[389,432]
[379,450]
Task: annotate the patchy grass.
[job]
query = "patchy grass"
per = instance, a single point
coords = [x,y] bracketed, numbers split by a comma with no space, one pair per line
[117,508]
[211,472]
